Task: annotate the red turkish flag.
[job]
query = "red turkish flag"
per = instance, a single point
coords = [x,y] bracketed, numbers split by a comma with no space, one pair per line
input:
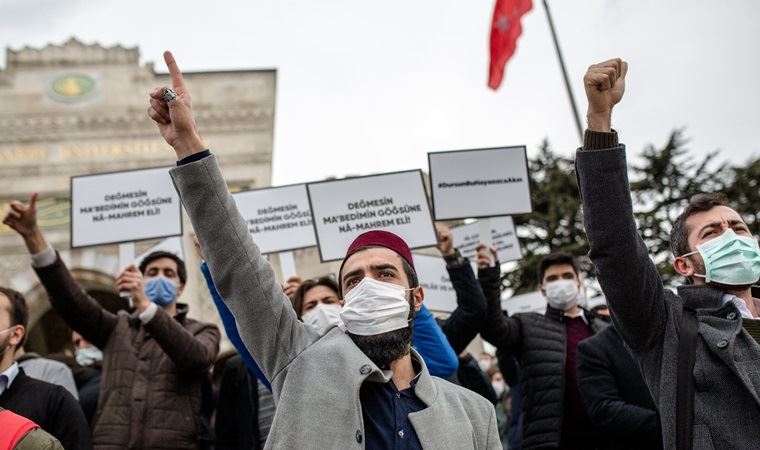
[505,29]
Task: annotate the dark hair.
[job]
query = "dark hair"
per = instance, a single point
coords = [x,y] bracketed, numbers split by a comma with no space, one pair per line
[181,270]
[18,311]
[679,234]
[410,273]
[556,259]
[307,285]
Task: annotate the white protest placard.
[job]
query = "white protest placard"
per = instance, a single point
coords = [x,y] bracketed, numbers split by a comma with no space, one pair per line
[134,205]
[278,218]
[593,302]
[126,255]
[524,303]
[287,265]
[126,258]
[344,209]
[503,237]
[434,279]
[479,183]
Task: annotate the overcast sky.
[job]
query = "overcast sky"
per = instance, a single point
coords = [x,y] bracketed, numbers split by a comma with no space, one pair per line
[373,86]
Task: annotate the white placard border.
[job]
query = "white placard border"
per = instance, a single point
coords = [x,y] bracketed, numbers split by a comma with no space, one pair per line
[527,171]
[424,189]
[277,187]
[71,209]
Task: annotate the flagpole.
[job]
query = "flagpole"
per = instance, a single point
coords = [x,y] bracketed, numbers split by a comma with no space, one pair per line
[564,72]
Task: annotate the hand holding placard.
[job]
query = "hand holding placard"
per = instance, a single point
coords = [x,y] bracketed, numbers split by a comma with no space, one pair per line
[131,280]
[126,259]
[291,286]
[445,239]
[487,257]
[175,118]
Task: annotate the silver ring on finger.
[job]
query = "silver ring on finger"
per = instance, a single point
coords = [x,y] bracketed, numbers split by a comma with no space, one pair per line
[170,95]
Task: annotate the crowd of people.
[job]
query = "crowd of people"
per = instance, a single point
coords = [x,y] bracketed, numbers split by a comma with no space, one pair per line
[356,360]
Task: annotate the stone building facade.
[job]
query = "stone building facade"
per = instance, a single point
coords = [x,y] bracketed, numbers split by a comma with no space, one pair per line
[78,108]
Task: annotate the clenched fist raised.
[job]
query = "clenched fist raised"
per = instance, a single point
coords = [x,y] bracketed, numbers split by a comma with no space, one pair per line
[605,85]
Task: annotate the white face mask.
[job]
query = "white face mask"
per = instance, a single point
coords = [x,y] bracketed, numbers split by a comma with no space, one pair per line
[484,364]
[562,294]
[373,307]
[498,387]
[323,317]
[88,356]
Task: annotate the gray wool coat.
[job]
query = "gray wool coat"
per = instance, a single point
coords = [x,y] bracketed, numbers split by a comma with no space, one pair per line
[727,369]
[315,379]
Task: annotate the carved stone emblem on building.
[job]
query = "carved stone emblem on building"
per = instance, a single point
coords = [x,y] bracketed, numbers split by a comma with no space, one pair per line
[72,87]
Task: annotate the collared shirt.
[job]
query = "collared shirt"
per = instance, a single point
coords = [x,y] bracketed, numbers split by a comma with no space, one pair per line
[578,313]
[7,377]
[386,415]
[749,323]
[740,304]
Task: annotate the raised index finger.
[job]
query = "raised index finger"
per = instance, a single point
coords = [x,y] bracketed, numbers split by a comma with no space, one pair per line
[177,81]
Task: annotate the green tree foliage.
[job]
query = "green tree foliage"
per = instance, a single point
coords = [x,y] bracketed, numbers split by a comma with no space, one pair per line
[662,181]
[743,190]
[661,185]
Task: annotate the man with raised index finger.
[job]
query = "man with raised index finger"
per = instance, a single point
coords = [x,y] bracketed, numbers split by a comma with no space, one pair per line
[359,388]
[708,330]
[155,359]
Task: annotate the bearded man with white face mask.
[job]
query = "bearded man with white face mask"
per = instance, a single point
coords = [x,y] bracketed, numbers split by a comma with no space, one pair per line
[358,388]
[698,346]
[546,345]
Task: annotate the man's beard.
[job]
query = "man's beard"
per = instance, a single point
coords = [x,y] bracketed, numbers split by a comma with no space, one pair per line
[699,267]
[384,348]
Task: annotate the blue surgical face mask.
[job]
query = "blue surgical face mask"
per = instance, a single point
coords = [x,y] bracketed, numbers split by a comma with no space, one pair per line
[88,356]
[730,259]
[161,290]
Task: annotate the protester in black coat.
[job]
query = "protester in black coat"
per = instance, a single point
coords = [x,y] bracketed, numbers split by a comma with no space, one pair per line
[51,407]
[613,390]
[470,376]
[545,346]
[463,324]
[237,414]
[489,277]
